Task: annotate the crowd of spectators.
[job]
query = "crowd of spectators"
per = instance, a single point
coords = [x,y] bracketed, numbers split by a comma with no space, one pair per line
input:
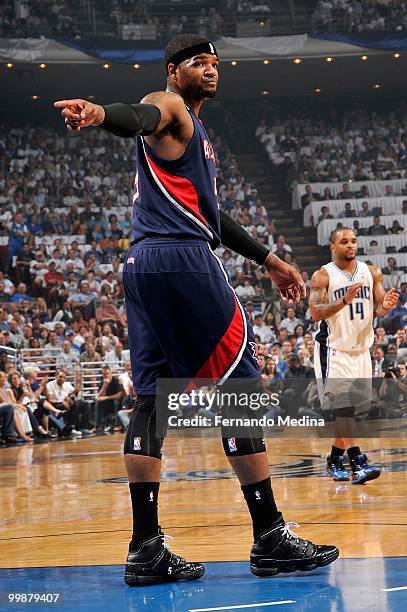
[359,16]
[36,18]
[65,228]
[358,145]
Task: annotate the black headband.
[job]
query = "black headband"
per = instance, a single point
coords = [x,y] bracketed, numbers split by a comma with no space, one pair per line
[184,54]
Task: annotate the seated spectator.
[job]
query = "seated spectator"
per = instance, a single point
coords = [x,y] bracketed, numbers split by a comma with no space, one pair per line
[363,193]
[61,394]
[264,332]
[90,355]
[291,321]
[346,193]
[20,418]
[396,228]
[325,214]
[21,294]
[348,211]
[327,195]
[106,312]
[309,196]
[110,391]
[364,210]
[67,359]
[391,267]
[373,248]
[117,357]
[377,228]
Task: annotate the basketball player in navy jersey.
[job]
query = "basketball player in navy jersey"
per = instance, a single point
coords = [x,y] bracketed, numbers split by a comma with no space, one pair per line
[344,296]
[172,269]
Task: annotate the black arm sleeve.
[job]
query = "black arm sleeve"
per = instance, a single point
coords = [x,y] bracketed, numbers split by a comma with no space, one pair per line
[236,238]
[129,120]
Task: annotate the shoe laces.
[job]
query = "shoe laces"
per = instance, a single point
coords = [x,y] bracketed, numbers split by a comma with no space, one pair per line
[287,531]
[176,560]
[165,538]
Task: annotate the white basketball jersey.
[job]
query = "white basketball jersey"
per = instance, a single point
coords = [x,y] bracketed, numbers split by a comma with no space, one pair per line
[351,329]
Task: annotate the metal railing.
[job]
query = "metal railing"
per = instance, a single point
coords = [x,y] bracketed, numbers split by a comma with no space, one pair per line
[88,374]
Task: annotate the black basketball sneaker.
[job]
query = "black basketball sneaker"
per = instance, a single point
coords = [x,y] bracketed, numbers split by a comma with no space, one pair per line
[153,563]
[280,550]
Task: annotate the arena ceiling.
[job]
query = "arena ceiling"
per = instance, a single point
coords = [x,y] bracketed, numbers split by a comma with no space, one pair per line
[380,73]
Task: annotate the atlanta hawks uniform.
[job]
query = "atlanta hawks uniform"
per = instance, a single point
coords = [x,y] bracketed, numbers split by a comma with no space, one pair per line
[184,318]
[341,356]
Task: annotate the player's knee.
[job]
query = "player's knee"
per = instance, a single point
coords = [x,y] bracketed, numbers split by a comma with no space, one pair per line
[142,436]
[237,446]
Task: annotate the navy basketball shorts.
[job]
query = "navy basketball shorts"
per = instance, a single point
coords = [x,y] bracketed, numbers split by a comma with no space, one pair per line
[184,318]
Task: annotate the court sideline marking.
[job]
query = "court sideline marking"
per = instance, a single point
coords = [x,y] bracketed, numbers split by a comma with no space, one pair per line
[402,588]
[253,605]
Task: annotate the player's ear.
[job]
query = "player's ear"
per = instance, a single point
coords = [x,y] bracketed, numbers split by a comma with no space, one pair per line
[332,247]
[172,71]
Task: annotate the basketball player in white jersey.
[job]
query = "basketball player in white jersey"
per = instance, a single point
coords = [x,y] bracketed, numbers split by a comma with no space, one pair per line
[345,295]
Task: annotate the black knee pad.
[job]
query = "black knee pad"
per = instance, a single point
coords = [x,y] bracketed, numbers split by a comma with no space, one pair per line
[348,411]
[141,437]
[237,446]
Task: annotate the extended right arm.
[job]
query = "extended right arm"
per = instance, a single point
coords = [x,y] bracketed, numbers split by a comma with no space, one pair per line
[156,112]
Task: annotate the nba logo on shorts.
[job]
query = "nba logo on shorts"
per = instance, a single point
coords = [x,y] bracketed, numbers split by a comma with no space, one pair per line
[130,260]
[232,445]
[137,444]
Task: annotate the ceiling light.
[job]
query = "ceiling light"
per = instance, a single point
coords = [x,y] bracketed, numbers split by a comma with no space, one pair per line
[9,65]
[106,66]
[266,61]
[297,60]
[233,63]
[397,55]
[35,97]
[136,66]
[329,59]
[364,58]
[317,90]
[265,92]
[42,66]
[377,86]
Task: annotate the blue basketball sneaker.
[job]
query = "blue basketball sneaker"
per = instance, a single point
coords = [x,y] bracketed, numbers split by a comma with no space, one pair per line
[335,467]
[361,471]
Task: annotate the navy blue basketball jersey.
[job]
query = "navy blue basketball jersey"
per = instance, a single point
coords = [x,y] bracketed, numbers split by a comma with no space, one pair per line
[177,198]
